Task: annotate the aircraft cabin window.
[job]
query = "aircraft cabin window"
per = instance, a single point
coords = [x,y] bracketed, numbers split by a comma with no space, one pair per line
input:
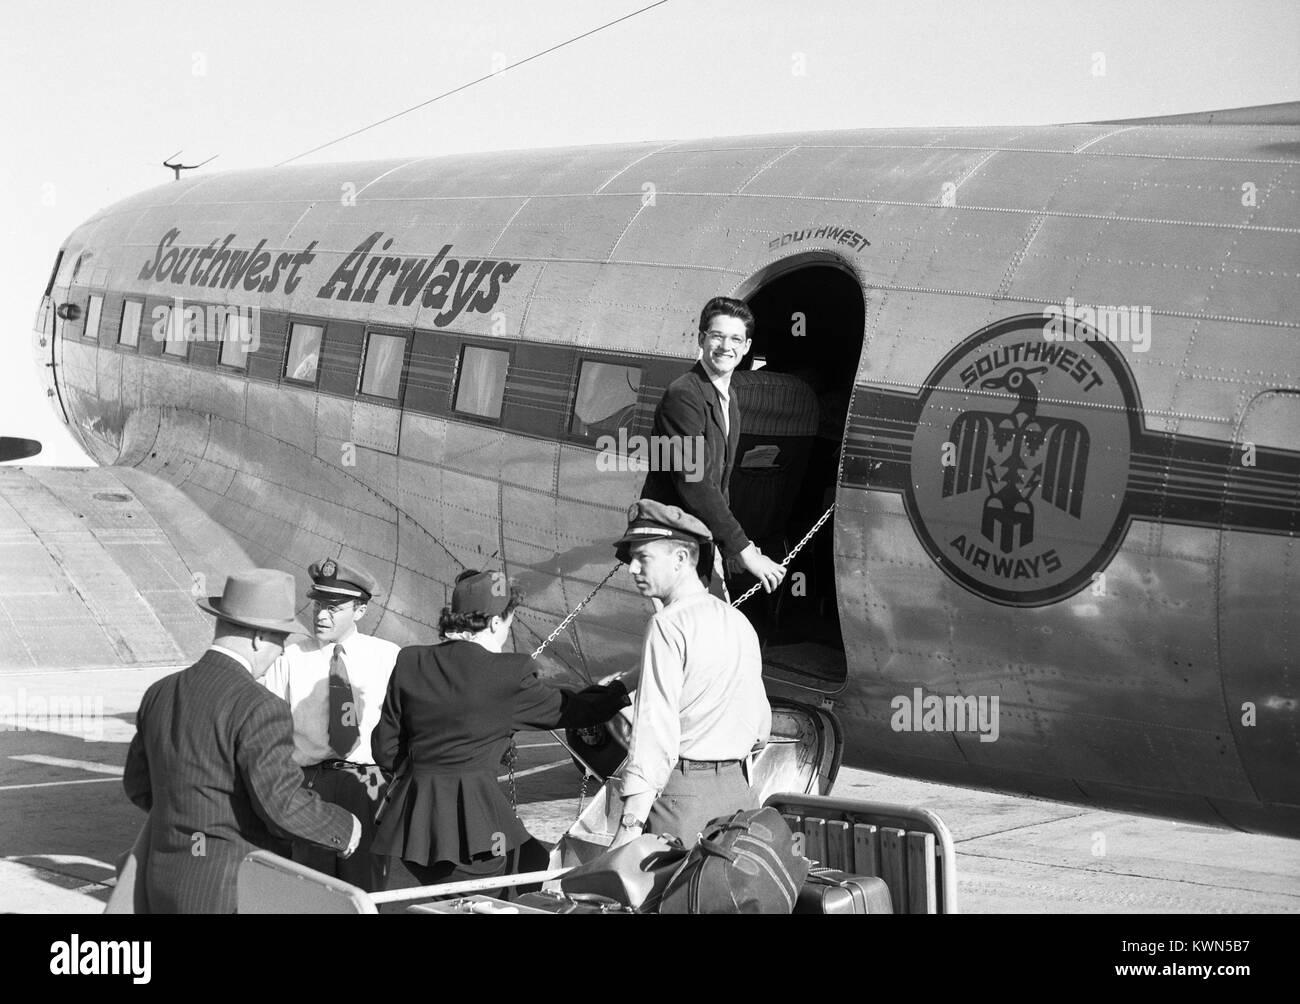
[174,343]
[93,310]
[304,352]
[482,383]
[382,375]
[130,333]
[236,335]
[606,400]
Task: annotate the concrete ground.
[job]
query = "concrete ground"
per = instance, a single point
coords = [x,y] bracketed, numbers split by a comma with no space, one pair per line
[64,820]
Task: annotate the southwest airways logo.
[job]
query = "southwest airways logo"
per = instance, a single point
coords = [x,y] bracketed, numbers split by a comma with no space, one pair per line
[1022,440]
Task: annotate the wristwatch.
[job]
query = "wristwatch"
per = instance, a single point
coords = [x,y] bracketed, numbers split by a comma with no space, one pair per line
[631,822]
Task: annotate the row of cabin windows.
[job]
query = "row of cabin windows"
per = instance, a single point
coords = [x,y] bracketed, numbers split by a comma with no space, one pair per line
[605,402]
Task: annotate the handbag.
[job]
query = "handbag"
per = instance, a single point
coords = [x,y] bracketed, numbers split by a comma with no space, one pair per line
[634,873]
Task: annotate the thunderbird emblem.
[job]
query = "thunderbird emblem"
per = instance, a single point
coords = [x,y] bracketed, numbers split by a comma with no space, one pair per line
[1020,459]
[1016,455]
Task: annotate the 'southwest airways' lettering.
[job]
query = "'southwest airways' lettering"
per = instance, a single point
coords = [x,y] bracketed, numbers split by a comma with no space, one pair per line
[214,267]
[359,280]
[441,283]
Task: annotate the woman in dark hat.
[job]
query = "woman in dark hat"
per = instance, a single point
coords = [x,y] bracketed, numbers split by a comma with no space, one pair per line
[451,710]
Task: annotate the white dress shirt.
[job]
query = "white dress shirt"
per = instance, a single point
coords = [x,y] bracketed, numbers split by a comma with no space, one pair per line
[302,677]
[723,387]
[701,693]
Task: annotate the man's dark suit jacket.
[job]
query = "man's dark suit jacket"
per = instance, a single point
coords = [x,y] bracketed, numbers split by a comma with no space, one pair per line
[211,762]
[690,407]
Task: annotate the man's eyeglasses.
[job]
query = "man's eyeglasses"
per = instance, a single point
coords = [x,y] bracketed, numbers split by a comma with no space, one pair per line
[331,607]
[721,338]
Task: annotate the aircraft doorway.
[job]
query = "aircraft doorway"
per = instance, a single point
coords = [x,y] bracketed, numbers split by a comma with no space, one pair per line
[793,393]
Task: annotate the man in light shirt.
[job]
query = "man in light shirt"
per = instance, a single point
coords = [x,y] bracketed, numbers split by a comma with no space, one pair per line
[701,708]
[335,685]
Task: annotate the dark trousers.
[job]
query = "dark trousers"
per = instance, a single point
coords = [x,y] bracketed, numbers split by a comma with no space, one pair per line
[694,795]
[346,789]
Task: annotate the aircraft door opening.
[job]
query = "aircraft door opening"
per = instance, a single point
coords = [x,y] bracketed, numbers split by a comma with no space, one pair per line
[793,391]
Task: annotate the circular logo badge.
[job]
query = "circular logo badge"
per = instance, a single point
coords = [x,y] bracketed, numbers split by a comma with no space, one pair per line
[328,569]
[1020,459]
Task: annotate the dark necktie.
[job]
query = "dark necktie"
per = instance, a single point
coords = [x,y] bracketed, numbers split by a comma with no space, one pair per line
[344,728]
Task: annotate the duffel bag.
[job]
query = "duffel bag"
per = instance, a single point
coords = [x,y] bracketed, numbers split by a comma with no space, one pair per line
[744,863]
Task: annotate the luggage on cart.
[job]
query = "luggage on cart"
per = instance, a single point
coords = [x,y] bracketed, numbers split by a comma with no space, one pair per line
[578,902]
[743,863]
[828,890]
[472,904]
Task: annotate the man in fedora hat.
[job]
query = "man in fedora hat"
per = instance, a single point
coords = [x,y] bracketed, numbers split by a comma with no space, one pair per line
[335,685]
[212,757]
[700,707]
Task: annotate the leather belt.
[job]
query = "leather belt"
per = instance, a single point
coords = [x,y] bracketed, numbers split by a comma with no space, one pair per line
[685,765]
[341,765]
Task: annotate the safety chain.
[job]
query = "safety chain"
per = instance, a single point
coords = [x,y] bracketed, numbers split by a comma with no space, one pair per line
[574,612]
[582,795]
[512,754]
[789,557]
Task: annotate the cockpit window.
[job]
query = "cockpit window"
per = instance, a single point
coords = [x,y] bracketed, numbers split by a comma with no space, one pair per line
[54,272]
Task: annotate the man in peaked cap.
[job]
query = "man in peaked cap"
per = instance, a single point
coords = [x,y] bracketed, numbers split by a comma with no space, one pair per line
[335,684]
[211,761]
[700,707]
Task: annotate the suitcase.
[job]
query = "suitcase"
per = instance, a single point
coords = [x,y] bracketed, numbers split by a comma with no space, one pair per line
[830,891]
[577,902]
[472,904]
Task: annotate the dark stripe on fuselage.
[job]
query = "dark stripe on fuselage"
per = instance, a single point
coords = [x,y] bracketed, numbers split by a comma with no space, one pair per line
[541,380]
[1188,480]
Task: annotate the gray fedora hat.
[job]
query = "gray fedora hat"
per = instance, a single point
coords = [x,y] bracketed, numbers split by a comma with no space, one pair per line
[261,598]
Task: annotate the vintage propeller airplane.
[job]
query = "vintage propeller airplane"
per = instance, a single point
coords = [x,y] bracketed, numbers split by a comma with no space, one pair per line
[1050,377]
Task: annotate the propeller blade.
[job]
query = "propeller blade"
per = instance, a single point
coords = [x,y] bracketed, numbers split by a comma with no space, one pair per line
[17,449]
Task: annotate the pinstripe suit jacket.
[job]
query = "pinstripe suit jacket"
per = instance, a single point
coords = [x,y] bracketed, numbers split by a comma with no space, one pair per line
[211,762]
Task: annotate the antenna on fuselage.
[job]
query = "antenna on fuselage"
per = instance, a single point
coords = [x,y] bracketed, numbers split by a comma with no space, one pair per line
[178,168]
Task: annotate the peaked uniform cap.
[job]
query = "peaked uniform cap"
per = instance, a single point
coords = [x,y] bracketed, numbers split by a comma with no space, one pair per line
[335,580]
[651,520]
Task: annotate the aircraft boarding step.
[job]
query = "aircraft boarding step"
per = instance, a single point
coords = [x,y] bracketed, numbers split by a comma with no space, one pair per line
[796,663]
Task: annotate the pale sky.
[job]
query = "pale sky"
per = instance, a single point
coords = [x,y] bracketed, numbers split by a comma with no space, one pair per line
[98,94]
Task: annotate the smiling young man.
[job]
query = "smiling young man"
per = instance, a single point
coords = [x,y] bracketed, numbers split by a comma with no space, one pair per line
[699,406]
[335,685]
[700,707]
